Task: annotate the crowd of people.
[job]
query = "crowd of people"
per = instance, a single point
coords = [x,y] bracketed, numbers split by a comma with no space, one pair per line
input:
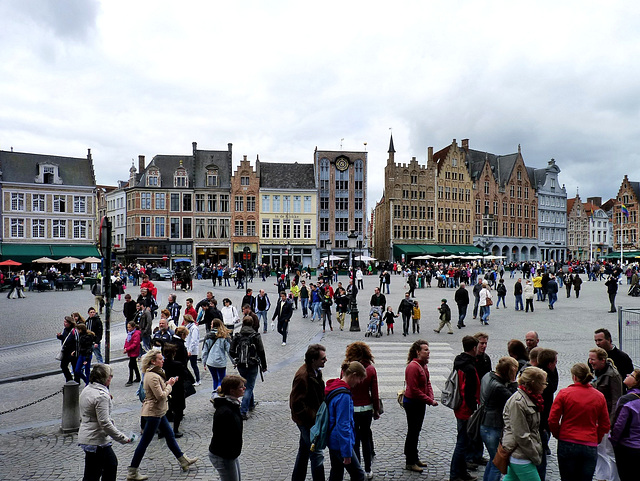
[597,425]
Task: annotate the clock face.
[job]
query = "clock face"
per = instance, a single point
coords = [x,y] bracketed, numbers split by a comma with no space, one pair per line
[342,164]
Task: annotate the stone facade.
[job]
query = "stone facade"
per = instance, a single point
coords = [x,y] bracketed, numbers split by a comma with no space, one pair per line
[627,228]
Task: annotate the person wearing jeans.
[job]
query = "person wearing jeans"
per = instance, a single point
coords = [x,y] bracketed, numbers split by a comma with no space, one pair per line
[154,409]
[248,368]
[192,343]
[263,304]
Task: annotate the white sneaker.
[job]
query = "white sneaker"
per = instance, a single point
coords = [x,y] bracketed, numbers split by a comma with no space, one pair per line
[369,474]
[197,383]
[284,343]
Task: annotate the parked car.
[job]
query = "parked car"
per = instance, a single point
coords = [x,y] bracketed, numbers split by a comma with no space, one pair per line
[160,274]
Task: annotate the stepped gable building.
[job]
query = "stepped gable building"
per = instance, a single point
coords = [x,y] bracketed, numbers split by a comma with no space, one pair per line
[49,206]
[577,230]
[288,213]
[341,177]
[552,212]
[454,194]
[245,189]
[404,217]
[504,204]
[625,228]
[178,206]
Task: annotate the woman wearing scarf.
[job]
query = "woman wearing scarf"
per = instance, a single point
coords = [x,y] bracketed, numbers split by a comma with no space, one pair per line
[157,388]
[578,420]
[521,435]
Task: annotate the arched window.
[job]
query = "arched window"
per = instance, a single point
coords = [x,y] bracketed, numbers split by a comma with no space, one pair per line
[180,178]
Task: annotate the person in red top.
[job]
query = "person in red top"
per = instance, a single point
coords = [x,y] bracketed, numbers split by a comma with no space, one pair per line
[189,310]
[578,419]
[146,283]
[418,393]
[132,350]
[366,403]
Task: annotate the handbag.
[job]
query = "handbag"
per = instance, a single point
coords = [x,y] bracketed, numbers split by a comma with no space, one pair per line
[400,398]
[189,389]
[501,459]
[474,423]
[489,302]
[60,355]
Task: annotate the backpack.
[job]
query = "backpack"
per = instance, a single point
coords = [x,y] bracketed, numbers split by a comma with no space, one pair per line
[246,352]
[451,396]
[320,431]
[140,392]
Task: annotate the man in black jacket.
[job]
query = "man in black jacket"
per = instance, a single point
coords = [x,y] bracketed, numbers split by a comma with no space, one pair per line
[476,293]
[406,309]
[94,324]
[283,312]
[462,300]
[307,393]
[621,359]
[612,290]
[378,300]
[248,369]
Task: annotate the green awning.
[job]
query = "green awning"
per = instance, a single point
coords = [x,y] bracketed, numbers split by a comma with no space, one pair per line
[25,252]
[434,250]
[79,251]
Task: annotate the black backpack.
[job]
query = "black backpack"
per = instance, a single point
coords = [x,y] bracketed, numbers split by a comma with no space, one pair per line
[246,354]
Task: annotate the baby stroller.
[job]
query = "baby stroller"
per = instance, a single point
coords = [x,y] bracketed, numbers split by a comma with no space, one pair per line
[634,290]
[374,328]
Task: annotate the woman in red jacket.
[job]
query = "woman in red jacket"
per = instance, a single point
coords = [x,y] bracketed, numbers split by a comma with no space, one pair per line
[418,393]
[366,402]
[132,349]
[579,419]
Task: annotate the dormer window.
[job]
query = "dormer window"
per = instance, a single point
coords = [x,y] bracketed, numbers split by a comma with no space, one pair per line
[153,178]
[180,178]
[48,174]
[212,178]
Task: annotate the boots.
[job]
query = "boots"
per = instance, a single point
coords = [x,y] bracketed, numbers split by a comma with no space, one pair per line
[133,474]
[185,462]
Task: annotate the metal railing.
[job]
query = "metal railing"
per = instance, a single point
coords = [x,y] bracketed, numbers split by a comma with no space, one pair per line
[629,333]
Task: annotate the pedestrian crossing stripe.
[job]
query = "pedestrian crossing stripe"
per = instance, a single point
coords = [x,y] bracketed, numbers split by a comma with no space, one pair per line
[391,360]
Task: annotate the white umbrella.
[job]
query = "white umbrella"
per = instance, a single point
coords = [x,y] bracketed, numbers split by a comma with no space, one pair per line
[44,260]
[69,260]
[92,260]
[332,258]
[364,258]
[422,258]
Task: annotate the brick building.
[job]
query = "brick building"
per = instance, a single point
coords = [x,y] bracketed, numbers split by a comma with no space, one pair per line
[245,191]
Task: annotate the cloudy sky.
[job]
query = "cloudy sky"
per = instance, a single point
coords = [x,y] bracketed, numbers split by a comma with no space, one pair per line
[278,78]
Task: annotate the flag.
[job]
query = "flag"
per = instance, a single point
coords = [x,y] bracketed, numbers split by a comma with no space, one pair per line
[624,210]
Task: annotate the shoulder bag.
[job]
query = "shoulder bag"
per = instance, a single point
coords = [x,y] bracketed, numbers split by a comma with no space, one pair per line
[501,459]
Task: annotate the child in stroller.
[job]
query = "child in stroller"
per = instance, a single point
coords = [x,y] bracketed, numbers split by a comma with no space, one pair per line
[634,290]
[374,328]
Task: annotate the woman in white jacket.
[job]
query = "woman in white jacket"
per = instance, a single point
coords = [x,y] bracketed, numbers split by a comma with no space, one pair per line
[485,303]
[96,428]
[192,343]
[215,352]
[229,315]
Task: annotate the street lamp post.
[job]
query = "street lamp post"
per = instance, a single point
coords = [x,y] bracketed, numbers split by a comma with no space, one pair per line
[355,321]
[327,245]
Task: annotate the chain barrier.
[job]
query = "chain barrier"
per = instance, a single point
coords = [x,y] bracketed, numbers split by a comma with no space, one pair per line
[31,403]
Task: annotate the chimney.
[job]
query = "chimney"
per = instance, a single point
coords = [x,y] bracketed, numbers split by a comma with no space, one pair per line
[465,144]
[194,145]
[430,154]
[89,154]
[244,158]
[140,164]
[595,201]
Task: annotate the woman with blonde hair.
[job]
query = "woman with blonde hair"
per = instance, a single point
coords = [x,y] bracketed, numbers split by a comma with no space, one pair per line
[578,420]
[521,434]
[340,407]
[157,388]
[215,352]
[366,402]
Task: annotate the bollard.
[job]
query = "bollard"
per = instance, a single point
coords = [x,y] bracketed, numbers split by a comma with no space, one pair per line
[71,407]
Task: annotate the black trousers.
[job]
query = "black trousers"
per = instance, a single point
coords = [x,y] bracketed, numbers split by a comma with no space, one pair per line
[415,411]
[102,464]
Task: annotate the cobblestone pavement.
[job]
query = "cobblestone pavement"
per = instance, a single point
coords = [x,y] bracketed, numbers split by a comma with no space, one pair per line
[33,447]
